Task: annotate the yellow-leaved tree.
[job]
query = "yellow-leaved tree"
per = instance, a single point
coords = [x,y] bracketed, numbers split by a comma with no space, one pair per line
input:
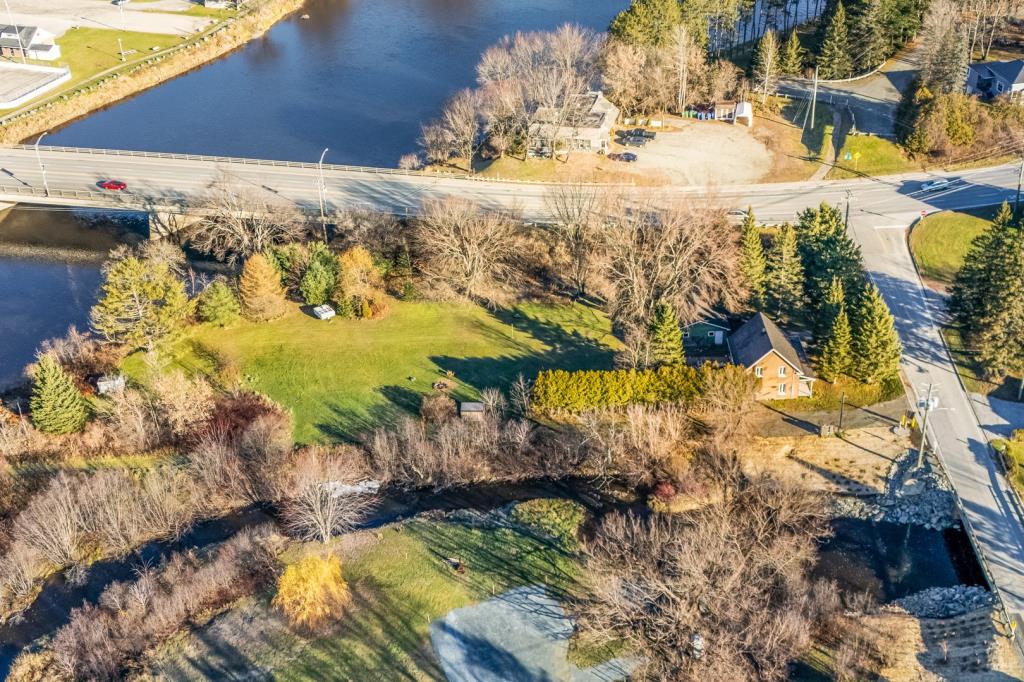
[312,592]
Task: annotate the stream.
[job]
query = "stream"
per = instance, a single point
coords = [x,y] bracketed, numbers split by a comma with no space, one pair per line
[885,559]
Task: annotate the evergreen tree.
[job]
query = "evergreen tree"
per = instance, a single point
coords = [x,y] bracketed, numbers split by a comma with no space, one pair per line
[752,260]
[143,301]
[827,252]
[784,278]
[218,304]
[647,22]
[980,281]
[837,353]
[260,291]
[876,345]
[792,60]
[834,59]
[318,281]
[365,310]
[665,337]
[766,65]
[57,406]
[835,301]
[870,37]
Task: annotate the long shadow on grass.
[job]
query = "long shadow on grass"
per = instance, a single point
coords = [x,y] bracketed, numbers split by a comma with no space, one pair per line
[349,426]
[565,349]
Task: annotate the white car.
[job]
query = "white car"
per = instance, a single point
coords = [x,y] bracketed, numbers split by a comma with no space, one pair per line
[936,184]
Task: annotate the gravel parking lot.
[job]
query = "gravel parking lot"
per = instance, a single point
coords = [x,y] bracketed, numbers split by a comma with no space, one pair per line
[57,16]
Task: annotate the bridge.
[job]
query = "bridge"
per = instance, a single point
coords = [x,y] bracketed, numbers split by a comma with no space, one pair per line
[880,211]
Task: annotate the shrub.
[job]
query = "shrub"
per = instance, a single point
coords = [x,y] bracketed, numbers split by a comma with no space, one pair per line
[218,304]
[437,407]
[558,519]
[312,593]
[589,389]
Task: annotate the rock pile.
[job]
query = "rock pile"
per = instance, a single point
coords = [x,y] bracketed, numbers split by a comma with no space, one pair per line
[944,602]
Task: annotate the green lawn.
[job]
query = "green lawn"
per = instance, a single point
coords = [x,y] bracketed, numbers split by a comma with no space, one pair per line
[89,51]
[878,156]
[971,373]
[341,378]
[940,242]
[1013,456]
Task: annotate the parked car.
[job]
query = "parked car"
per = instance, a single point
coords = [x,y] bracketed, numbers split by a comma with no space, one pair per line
[936,184]
[737,214]
[633,141]
[649,134]
[627,157]
[113,185]
[120,2]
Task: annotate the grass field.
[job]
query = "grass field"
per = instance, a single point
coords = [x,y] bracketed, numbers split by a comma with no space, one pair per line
[89,51]
[343,377]
[878,156]
[940,242]
[400,583]
[1013,453]
[971,373]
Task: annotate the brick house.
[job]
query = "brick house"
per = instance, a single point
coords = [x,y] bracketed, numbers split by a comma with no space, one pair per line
[764,349]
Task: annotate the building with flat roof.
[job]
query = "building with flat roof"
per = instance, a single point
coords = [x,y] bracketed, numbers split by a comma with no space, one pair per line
[586,124]
[29,42]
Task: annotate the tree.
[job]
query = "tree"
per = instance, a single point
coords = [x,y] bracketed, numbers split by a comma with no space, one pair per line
[766,64]
[312,592]
[319,280]
[457,132]
[666,338]
[791,62]
[686,63]
[835,300]
[357,273]
[313,509]
[946,48]
[753,264]
[979,281]
[876,345]
[142,301]
[239,221]
[260,290]
[870,37]
[837,353]
[784,276]
[218,304]
[578,227]
[647,22]
[834,61]
[827,252]
[57,405]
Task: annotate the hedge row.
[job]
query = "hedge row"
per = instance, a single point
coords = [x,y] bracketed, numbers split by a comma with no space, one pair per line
[578,391]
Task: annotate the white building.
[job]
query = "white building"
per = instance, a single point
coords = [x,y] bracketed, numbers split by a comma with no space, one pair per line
[584,125]
[29,42]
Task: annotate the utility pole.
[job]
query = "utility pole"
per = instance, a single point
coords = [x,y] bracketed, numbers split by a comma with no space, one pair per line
[926,406]
[42,167]
[120,49]
[842,409]
[849,196]
[814,97]
[1020,179]
[323,192]
[10,20]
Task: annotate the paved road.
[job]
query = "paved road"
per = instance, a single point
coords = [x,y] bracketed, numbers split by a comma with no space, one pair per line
[882,208]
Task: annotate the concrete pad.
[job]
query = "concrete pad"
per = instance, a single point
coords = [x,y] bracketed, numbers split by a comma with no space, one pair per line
[520,635]
[998,417]
[20,83]
[57,16]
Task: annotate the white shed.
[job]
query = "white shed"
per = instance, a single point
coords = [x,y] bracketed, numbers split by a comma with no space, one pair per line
[744,114]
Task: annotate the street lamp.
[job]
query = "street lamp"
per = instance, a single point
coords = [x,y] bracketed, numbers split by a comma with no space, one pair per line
[323,192]
[42,167]
[926,405]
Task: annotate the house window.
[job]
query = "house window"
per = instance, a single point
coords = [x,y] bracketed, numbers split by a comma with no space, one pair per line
[759,372]
[711,335]
[782,389]
[999,87]
[686,335]
[782,370]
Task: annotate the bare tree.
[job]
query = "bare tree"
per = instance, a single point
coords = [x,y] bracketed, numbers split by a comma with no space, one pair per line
[683,254]
[52,523]
[728,397]
[578,224]
[686,63]
[314,506]
[240,221]
[464,246]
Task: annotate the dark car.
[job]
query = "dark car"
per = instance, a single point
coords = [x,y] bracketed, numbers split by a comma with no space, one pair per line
[627,157]
[648,134]
[114,185]
[633,141]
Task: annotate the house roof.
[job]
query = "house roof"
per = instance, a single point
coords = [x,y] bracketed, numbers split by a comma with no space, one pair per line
[591,113]
[711,322]
[9,36]
[758,337]
[1012,72]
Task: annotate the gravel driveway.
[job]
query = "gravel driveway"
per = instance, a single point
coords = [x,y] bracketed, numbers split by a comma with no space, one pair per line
[519,636]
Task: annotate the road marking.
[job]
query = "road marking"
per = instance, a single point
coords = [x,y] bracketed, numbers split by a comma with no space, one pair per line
[890,227]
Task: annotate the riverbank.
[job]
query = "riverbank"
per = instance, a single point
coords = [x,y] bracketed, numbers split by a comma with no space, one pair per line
[110,87]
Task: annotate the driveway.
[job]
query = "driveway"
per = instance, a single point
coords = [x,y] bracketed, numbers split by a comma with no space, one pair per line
[998,417]
[519,636]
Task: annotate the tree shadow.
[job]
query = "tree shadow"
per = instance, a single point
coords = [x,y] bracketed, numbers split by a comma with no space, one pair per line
[349,426]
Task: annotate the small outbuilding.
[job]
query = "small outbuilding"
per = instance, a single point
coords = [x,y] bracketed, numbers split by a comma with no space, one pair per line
[323,312]
[108,384]
[744,114]
[471,410]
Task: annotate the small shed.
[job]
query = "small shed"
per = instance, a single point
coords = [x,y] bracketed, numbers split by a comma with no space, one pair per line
[744,114]
[108,384]
[324,312]
[471,410]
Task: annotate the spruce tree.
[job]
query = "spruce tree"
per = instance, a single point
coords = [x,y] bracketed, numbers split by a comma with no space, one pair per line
[792,60]
[57,406]
[870,37]
[837,352]
[260,291]
[318,282]
[834,61]
[980,282]
[665,337]
[835,301]
[827,252]
[784,278]
[142,301]
[752,260]
[647,22]
[218,304]
[876,345]
[766,65]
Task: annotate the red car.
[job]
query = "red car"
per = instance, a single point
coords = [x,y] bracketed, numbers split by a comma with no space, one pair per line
[115,185]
